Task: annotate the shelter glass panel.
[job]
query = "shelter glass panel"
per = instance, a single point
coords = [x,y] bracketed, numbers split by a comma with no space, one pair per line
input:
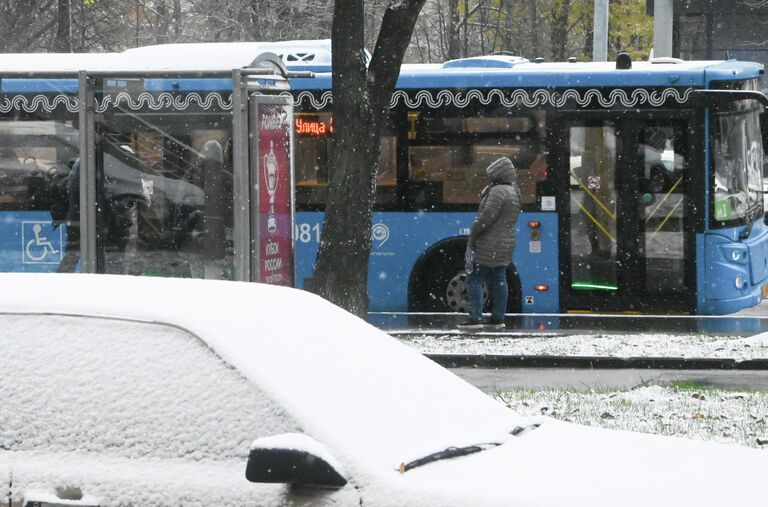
[39,142]
[164,182]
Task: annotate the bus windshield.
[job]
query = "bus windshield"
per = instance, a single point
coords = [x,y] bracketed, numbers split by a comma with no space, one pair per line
[738,162]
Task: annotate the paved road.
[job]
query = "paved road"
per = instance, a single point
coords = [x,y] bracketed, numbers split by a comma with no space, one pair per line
[582,379]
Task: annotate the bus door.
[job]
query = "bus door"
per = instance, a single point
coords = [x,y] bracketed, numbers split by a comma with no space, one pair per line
[626,242]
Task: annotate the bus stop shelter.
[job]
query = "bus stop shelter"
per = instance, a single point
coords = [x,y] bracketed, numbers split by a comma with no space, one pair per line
[169,161]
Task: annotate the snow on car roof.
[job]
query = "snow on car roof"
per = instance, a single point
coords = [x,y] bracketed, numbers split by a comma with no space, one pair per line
[351,386]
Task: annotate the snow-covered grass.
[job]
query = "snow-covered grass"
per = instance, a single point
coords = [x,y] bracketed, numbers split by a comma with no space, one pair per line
[683,409]
[606,345]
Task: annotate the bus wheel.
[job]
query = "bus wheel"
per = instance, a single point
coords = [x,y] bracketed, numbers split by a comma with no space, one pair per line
[439,282]
[456,293]
[433,275]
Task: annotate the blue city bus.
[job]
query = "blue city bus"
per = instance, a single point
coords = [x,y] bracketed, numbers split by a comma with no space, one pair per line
[641,183]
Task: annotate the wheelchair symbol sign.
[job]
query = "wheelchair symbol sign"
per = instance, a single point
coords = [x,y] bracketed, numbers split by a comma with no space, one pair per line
[40,243]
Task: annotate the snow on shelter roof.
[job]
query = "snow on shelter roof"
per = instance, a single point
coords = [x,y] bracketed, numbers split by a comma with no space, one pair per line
[349,385]
[299,54]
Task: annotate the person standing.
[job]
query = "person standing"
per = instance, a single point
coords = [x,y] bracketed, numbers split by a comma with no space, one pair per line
[491,244]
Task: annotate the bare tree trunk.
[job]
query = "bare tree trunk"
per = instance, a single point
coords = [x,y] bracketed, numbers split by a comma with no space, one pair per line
[535,30]
[360,107]
[341,272]
[560,30]
[507,42]
[63,27]
[176,20]
[452,25]
[162,22]
[465,24]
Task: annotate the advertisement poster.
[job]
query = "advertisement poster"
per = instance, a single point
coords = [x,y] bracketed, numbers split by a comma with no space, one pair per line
[275,204]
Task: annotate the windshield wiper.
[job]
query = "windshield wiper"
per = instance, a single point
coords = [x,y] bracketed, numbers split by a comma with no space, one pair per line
[450,452]
[456,452]
[751,216]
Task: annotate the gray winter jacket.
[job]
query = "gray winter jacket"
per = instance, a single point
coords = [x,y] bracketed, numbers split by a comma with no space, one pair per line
[492,235]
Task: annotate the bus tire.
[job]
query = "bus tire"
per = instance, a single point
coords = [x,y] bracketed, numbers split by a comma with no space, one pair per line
[438,281]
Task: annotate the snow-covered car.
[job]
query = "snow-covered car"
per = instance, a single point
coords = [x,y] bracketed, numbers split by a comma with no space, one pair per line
[147,391]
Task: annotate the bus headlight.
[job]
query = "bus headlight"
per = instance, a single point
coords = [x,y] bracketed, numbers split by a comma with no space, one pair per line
[735,255]
[739,282]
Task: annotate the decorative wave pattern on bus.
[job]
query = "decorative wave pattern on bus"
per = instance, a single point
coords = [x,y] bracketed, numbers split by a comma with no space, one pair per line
[423,98]
[144,100]
[535,98]
[164,101]
[39,103]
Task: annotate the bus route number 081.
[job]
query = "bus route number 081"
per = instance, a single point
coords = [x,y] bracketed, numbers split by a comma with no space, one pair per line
[307,233]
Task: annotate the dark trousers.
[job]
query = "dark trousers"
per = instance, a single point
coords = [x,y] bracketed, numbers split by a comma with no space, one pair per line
[496,277]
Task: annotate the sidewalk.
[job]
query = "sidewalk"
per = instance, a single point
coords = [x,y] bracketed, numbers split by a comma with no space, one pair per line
[592,345]
[736,341]
[594,351]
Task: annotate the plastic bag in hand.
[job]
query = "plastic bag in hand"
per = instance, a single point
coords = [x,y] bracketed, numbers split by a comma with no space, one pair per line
[469,260]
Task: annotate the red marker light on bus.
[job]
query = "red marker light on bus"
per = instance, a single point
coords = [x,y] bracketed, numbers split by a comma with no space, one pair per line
[542,288]
[534,224]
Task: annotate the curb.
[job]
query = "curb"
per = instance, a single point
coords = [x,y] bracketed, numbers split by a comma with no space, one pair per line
[596,362]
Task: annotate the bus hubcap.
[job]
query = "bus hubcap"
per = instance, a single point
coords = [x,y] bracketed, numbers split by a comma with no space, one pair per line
[456,293]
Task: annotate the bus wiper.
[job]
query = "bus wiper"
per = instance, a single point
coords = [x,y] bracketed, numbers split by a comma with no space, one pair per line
[751,215]
[450,452]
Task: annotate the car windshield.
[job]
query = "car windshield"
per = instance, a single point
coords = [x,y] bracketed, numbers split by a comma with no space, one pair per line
[738,161]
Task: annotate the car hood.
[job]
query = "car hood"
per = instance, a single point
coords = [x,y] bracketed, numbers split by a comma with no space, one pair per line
[567,464]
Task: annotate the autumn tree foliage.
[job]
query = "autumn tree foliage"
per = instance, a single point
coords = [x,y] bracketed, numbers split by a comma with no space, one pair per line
[445,29]
[551,29]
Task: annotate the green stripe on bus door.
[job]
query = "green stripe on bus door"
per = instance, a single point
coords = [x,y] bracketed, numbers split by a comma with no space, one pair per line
[592,286]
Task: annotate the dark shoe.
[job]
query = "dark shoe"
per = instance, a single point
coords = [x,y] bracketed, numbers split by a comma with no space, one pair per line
[471,324]
[495,324]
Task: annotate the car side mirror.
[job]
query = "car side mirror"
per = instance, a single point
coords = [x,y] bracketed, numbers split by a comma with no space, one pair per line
[295,459]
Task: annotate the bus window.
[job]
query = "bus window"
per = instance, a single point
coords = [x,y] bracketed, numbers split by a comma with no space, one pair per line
[312,157]
[448,157]
[738,160]
[386,178]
